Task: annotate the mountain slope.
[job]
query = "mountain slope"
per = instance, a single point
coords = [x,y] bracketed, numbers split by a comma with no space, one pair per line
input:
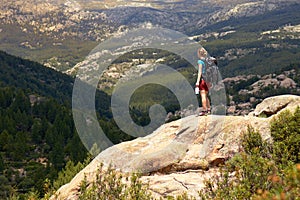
[34,77]
[64,33]
[259,45]
[37,132]
[42,81]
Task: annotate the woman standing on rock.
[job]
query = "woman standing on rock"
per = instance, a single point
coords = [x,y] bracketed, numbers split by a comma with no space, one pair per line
[201,84]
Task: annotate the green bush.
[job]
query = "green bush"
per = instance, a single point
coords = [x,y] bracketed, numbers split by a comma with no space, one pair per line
[245,173]
[68,173]
[286,186]
[285,131]
[253,144]
[263,170]
[112,185]
[109,185]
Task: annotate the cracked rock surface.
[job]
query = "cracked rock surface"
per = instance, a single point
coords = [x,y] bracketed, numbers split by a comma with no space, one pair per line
[179,156]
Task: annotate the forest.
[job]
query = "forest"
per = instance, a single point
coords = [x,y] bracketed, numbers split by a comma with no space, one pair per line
[37,133]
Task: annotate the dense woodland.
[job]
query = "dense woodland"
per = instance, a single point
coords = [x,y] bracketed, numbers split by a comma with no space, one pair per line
[37,132]
[36,140]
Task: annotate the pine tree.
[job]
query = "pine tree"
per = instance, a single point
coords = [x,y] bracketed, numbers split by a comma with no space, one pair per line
[66,174]
[2,166]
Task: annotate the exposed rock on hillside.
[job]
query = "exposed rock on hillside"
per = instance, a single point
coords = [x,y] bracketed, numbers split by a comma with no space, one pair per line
[180,155]
[246,91]
[70,29]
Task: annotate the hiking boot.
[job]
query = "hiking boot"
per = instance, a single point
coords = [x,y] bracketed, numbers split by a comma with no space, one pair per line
[202,113]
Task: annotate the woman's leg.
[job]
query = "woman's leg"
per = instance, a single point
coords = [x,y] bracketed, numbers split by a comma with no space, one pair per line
[204,99]
[207,102]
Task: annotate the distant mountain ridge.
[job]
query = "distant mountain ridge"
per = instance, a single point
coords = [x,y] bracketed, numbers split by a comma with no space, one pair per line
[59,34]
[56,16]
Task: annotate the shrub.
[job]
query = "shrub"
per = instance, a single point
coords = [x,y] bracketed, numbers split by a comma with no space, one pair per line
[68,172]
[285,131]
[110,185]
[244,174]
[285,187]
[262,170]
[253,144]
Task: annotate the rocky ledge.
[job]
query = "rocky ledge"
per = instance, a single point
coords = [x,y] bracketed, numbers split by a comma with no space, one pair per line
[179,156]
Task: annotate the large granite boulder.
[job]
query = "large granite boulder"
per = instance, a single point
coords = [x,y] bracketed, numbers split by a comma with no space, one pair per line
[273,105]
[180,155]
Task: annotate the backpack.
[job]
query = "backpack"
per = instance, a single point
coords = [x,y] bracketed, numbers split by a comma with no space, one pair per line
[211,73]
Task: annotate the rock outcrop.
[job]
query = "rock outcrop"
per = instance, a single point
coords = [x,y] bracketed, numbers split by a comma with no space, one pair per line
[248,89]
[179,156]
[274,105]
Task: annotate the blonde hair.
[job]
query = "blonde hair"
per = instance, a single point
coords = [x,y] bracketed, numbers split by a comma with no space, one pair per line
[202,53]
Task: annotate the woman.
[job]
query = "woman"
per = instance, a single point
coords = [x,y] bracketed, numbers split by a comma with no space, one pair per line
[202,54]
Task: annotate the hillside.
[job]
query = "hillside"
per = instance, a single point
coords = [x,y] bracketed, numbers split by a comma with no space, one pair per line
[259,45]
[234,31]
[37,132]
[35,109]
[41,81]
[246,91]
[32,76]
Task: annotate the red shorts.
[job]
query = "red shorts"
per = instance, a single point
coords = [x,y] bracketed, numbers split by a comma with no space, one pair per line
[203,85]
